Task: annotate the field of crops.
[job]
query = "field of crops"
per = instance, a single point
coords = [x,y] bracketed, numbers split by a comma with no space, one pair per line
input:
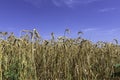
[31,58]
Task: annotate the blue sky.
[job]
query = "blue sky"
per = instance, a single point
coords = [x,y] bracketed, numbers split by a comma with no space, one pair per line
[97,19]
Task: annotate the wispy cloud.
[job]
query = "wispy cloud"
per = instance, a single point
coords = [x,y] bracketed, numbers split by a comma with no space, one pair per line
[112,31]
[102,30]
[89,29]
[88,1]
[107,9]
[71,3]
[68,3]
[101,34]
[59,3]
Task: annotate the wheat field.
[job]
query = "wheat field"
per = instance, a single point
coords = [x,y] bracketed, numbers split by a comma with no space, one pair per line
[31,58]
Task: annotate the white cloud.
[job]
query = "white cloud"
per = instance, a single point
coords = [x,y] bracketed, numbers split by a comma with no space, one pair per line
[101,34]
[113,31]
[106,9]
[59,3]
[56,3]
[89,29]
[87,1]
[101,31]
[71,3]
[68,3]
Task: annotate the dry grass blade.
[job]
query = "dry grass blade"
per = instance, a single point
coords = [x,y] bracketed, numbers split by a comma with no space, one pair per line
[68,59]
